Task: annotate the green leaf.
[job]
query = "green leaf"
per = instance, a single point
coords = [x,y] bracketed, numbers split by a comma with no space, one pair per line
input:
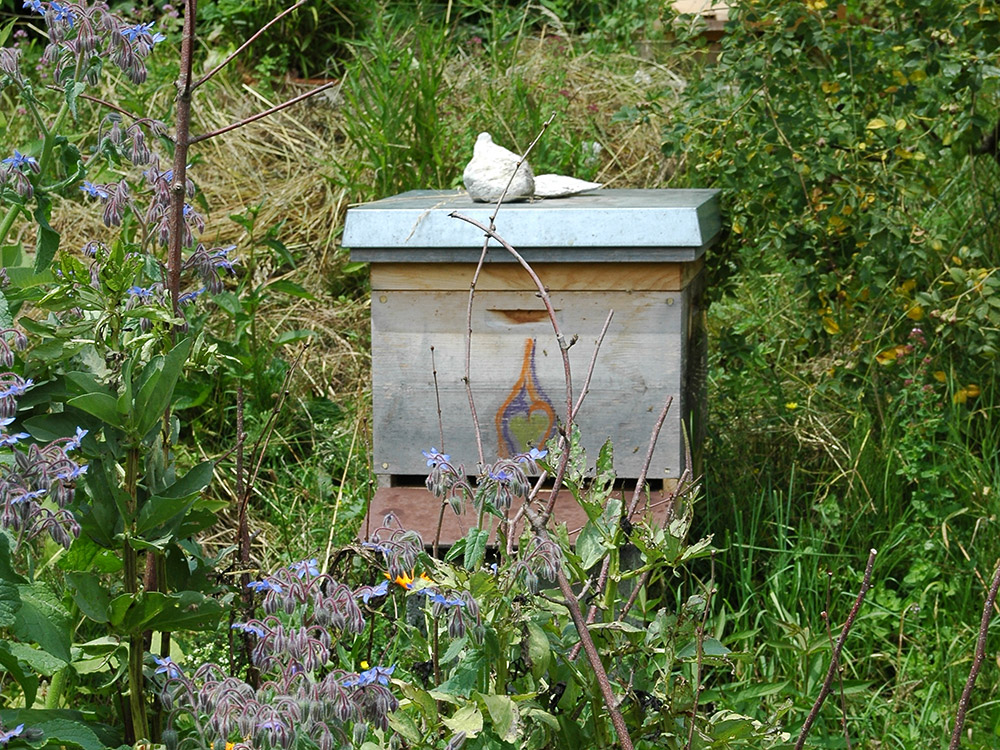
[40,661]
[48,238]
[404,725]
[28,681]
[590,545]
[504,714]
[157,512]
[291,337]
[68,733]
[475,547]
[152,399]
[709,647]
[89,595]
[10,602]
[104,406]
[539,650]
[465,677]
[291,288]
[42,620]
[87,556]
[7,572]
[5,32]
[107,497]
[6,320]
[468,719]
[73,90]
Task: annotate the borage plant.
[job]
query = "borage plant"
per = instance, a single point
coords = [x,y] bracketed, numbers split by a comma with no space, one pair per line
[110,324]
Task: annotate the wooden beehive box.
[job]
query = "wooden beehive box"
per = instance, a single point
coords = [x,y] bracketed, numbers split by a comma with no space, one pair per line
[637,252]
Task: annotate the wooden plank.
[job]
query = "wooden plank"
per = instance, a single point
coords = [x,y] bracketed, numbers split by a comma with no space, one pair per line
[417,509]
[517,376]
[593,277]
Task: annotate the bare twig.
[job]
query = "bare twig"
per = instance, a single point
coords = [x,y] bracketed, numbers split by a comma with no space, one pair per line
[840,677]
[573,605]
[835,660]
[543,293]
[977,661]
[654,436]
[265,113]
[590,368]
[444,500]
[467,379]
[513,174]
[247,43]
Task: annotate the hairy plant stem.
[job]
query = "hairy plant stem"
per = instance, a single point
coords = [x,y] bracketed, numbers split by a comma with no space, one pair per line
[178,181]
[130,558]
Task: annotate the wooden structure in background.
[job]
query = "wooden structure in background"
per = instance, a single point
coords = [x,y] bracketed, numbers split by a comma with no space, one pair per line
[637,252]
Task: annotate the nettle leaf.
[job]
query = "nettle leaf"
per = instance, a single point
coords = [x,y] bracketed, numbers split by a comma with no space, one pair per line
[42,620]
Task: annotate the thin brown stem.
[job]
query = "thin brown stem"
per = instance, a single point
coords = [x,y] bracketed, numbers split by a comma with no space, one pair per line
[265,113]
[513,174]
[653,437]
[573,605]
[977,661]
[835,660]
[543,293]
[247,43]
[593,363]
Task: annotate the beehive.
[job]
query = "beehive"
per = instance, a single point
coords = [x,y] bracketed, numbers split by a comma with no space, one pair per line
[636,252]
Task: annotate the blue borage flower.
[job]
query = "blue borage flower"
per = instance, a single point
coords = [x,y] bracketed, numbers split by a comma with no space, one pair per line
[131,32]
[9,734]
[439,598]
[377,547]
[264,586]
[74,442]
[367,593]
[435,459]
[94,191]
[8,440]
[371,676]
[503,476]
[35,5]
[62,13]
[19,161]
[188,297]
[166,665]
[305,567]
[249,627]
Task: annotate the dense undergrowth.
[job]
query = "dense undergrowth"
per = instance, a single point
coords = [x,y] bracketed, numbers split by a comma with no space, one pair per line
[854,326]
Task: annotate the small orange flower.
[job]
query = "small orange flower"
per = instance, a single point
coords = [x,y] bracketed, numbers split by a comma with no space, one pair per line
[406,579]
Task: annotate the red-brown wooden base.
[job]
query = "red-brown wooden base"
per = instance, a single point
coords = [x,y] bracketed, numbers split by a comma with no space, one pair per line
[419,510]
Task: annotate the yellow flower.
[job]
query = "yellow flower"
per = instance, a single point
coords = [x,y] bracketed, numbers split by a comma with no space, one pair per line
[940,376]
[791,406]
